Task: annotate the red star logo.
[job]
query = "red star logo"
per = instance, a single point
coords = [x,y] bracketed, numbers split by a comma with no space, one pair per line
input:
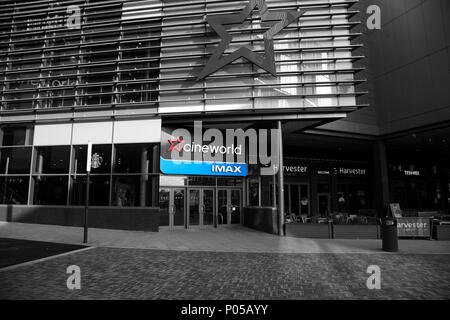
[175,144]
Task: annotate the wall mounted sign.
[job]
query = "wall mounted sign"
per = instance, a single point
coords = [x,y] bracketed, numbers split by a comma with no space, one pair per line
[412,173]
[295,170]
[185,153]
[267,62]
[350,171]
[203,168]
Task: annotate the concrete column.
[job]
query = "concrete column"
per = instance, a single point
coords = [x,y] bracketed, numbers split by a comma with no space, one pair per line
[280,181]
[381,178]
[144,176]
[155,182]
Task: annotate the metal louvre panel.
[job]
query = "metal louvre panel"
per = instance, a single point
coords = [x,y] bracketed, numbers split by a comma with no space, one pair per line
[149,53]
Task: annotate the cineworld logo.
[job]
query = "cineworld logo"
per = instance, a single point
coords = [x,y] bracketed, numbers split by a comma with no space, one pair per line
[224,152]
[179,145]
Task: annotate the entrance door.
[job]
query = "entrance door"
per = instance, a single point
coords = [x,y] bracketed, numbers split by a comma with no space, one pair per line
[229,206]
[323,200]
[200,207]
[171,203]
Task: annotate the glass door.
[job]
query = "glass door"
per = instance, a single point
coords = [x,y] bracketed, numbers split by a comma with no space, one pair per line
[222,206]
[208,206]
[229,202]
[164,207]
[178,207]
[194,207]
[235,206]
[171,203]
[201,207]
[323,200]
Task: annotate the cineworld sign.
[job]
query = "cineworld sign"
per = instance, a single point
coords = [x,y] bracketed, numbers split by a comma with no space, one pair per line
[215,152]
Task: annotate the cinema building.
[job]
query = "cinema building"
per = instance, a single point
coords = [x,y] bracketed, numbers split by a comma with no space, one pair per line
[351,132]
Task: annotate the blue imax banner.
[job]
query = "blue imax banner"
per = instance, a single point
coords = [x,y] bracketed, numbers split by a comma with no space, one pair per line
[203,168]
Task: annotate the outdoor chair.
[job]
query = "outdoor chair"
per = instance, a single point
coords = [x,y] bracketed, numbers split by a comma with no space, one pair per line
[352,218]
[305,218]
[294,218]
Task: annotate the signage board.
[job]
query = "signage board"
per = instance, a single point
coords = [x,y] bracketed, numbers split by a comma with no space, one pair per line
[414,227]
[295,170]
[348,171]
[395,210]
[194,152]
[203,168]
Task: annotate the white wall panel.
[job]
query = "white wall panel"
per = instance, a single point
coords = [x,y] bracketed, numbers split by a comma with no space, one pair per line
[52,134]
[137,131]
[96,132]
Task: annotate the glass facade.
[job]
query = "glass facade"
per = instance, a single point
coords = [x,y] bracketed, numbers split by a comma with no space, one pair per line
[122,175]
[66,54]
[83,54]
[313,57]
[62,61]
[316,189]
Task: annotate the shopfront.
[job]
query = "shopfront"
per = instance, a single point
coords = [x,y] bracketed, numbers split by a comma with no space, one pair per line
[198,201]
[322,198]
[318,188]
[43,173]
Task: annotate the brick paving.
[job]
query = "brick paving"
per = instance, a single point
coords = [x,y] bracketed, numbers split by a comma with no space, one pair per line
[115,273]
[229,239]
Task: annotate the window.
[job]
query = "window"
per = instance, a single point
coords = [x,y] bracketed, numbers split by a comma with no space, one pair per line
[15,160]
[253,192]
[101,154]
[52,160]
[134,191]
[134,158]
[50,190]
[98,191]
[14,190]
[16,136]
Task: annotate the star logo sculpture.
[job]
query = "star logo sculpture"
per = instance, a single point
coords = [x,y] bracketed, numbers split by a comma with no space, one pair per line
[267,61]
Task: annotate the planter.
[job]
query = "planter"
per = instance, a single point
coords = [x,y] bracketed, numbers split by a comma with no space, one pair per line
[307,230]
[261,218]
[356,231]
[441,232]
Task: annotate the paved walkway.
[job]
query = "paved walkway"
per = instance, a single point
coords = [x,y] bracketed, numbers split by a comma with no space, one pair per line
[114,273]
[226,263]
[225,239]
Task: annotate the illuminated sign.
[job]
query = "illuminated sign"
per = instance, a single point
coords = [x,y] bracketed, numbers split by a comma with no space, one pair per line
[215,152]
[352,171]
[202,168]
[411,173]
[295,170]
